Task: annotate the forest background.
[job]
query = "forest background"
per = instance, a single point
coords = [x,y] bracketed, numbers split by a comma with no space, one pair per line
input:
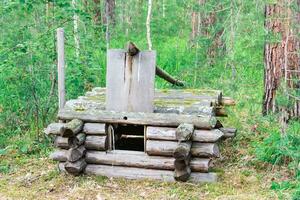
[208,44]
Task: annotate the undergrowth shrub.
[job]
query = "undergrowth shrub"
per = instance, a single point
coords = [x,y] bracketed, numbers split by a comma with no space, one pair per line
[282,149]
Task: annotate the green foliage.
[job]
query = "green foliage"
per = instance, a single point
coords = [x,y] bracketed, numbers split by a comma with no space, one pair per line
[28,94]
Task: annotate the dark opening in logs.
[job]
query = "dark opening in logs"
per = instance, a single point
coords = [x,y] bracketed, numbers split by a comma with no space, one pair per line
[128,137]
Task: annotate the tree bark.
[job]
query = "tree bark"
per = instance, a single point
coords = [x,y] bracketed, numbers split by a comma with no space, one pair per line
[282,63]
[148,27]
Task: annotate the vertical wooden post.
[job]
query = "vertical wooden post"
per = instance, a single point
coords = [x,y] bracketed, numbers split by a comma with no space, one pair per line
[61,68]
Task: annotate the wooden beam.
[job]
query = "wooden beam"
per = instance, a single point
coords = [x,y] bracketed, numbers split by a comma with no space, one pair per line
[72,128]
[155,119]
[168,133]
[133,50]
[94,128]
[167,148]
[142,160]
[96,142]
[140,173]
[61,68]
[59,155]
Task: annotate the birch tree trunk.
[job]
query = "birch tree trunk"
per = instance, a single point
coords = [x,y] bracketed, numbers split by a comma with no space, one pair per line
[75,25]
[148,21]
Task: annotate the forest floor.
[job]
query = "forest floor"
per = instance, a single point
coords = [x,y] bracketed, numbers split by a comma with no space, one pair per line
[38,178]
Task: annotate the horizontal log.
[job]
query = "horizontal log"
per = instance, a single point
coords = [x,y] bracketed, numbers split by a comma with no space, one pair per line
[54,129]
[63,142]
[168,133]
[156,119]
[142,160]
[205,150]
[94,129]
[75,168]
[76,153]
[59,155]
[96,142]
[228,101]
[140,173]
[163,106]
[167,148]
[71,128]
[229,132]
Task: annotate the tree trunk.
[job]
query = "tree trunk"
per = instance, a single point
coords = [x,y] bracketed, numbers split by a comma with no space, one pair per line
[75,25]
[148,21]
[282,65]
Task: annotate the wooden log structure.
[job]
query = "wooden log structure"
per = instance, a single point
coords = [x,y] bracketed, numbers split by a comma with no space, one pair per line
[182,154]
[59,155]
[142,160]
[139,118]
[167,148]
[203,107]
[94,129]
[96,142]
[63,142]
[168,133]
[75,168]
[72,128]
[54,129]
[79,139]
[141,173]
[76,153]
[132,50]
[228,132]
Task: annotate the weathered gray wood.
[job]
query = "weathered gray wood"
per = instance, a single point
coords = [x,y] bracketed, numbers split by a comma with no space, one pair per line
[155,119]
[205,150]
[130,159]
[61,68]
[75,168]
[96,142]
[164,106]
[54,129]
[200,164]
[167,148]
[130,81]
[72,128]
[76,153]
[59,155]
[94,129]
[140,173]
[169,94]
[141,160]
[207,135]
[183,174]
[228,132]
[61,167]
[184,132]
[63,142]
[182,151]
[79,139]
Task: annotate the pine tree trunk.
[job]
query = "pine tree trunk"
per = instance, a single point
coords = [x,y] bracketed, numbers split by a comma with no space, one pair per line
[282,65]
